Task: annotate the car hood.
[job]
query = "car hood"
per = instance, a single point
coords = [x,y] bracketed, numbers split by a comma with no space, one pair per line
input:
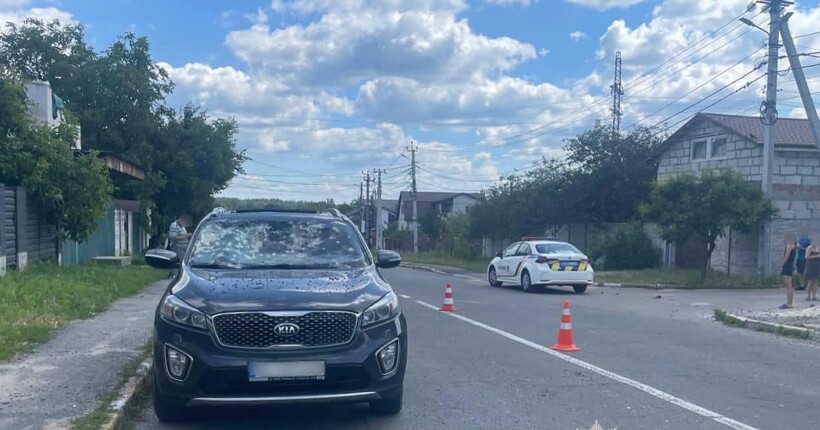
[216,291]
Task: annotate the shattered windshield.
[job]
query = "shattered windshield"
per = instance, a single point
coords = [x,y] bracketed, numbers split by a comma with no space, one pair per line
[281,244]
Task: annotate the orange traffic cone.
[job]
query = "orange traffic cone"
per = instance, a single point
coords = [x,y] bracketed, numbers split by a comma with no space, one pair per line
[448,305]
[565,342]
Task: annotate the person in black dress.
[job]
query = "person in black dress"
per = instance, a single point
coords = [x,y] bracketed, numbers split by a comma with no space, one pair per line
[787,268]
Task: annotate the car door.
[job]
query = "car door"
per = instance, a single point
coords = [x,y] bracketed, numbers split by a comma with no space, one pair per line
[503,267]
[520,258]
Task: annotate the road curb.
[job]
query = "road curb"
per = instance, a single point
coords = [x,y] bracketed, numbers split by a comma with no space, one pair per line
[769,326]
[425,268]
[641,286]
[126,393]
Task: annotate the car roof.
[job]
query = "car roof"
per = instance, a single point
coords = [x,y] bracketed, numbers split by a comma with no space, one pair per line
[270,214]
[546,242]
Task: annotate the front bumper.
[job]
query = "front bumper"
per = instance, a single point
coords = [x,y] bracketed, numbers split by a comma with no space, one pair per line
[219,376]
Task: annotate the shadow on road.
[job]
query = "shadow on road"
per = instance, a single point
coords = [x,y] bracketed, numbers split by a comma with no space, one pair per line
[550,291]
[343,416]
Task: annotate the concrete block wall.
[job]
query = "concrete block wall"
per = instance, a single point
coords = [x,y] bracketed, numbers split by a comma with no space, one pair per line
[796,184]
[738,257]
[742,155]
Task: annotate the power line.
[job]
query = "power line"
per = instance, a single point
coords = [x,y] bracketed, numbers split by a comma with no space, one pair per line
[739,62]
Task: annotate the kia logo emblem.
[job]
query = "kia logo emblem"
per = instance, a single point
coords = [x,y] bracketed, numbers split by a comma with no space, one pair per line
[286,329]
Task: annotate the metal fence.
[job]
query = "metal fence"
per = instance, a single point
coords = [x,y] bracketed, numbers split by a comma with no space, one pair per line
[25,235]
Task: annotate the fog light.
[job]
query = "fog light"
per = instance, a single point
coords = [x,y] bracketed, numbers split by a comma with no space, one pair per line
[177,363]
[389,357]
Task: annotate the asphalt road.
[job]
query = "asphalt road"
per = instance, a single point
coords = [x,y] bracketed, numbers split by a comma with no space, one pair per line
[647,362]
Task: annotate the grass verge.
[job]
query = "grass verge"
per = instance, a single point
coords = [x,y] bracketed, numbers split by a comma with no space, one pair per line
[778,329]
[725,318]
[478,265]
[95,419]
[43,298]
[682,278]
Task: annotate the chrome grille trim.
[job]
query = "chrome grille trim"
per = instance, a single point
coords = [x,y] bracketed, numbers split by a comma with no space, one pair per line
[284,316]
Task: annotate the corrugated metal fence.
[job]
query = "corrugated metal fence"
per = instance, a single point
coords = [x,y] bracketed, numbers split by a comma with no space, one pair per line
[25,236]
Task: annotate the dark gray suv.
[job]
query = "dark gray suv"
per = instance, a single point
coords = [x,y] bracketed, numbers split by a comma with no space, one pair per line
[276,307]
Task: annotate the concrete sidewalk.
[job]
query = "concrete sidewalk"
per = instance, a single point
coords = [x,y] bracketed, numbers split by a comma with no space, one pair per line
[64,378]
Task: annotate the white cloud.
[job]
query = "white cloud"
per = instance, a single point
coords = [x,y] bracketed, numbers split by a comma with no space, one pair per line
[605,4]
[44,14]
[349,45]
[524,3]
[577,35]
[347,87]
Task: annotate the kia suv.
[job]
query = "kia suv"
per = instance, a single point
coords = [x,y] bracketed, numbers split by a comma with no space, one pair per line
[277,307]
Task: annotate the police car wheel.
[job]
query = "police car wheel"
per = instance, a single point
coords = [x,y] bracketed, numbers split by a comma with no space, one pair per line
[492,277]
[580,289]
[526,282]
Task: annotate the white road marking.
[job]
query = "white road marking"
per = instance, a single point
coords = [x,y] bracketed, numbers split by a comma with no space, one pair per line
[404,296]
[691,407]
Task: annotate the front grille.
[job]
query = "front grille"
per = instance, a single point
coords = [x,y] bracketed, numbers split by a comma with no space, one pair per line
[255,329]
[227,382]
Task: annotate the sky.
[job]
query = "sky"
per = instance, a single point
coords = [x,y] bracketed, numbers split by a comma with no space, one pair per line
[323,90]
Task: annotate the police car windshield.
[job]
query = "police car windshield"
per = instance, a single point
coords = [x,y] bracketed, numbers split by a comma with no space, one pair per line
[277,244]
[557,248]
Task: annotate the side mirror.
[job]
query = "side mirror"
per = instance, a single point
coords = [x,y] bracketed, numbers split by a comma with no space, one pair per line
[388,259]
[162,259]
[499,254]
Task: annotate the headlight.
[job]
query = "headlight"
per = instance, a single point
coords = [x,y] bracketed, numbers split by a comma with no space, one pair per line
[386,308]
[177,311]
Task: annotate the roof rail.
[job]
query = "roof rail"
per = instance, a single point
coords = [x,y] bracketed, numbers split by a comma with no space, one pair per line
[335,212]
[215,212]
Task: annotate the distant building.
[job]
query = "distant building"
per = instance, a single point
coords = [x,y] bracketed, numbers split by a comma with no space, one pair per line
[433,203]
[713,142]
[389,214]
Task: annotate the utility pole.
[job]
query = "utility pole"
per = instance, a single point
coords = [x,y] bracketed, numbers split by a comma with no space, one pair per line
[414,195]
[379,226]
[800,78]
[769,117]
[366,213]
[361,207]
[617,93]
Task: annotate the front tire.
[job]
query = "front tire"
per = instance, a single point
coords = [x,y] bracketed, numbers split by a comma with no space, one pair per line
[167,410]
[388,406]
[526,283]
[580,289]
[492,277]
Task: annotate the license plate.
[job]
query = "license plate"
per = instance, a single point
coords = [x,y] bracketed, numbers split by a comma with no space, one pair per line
[261,371]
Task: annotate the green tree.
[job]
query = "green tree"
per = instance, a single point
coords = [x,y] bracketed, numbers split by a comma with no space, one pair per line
[118,95]
[613,173]
[704,207]
[456,235]
[74,188]
[200,160]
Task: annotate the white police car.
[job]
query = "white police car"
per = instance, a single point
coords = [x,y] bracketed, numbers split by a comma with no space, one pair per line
[536,262]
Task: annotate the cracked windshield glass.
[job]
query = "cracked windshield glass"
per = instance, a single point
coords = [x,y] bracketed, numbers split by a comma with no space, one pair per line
[409,214]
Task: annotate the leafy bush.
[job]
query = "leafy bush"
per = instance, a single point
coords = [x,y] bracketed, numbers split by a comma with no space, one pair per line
[624,247]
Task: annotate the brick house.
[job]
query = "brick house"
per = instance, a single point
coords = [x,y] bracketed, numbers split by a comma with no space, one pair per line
[714,141]
[428,204]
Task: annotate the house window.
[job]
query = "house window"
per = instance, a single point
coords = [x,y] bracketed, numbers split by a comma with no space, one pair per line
[719,147]
[699,149]
[710,148]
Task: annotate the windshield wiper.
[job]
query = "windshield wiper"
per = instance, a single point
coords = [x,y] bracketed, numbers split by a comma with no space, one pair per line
[214,266]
